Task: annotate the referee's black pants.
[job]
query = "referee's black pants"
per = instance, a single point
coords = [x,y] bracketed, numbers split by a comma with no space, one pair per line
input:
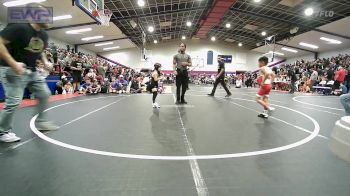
[181,84]
[222,81]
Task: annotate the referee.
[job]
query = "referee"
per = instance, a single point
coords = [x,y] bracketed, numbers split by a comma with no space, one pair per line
[220,78]
[180,63]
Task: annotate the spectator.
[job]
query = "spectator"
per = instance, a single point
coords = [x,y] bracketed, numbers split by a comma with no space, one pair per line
[313,78]
[121,84]
[101,70]
[41,70]
[91,74]
[60,84]
[339,77]
[53,50]
[113,86]
[57,69]
[68,88]
[95,88]
[293,79]
[347,78]
[135,86]
[330,74]
[86,87]
[105,84]
[76,67]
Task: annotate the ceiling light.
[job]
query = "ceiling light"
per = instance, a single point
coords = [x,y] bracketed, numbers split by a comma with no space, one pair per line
[240,44]
[309,11]
[229,40]
[213,38]
[64,17]
[133,24]
[332,41]
[78,31]
[308,45]
[263,33]
[228,25]
[155,41]
[91,38]
[150,29]
[104,44]
[111,48]
[188,23]
[141,3]
[183,37]
[289,50]
[278,53]
[257,1]
[21,2]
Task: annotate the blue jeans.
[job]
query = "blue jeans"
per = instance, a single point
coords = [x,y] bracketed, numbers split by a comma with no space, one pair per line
[345,101]
[14,86]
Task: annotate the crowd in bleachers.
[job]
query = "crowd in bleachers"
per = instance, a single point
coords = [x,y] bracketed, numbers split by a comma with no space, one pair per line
[331,75]
[87,74]
[326,76]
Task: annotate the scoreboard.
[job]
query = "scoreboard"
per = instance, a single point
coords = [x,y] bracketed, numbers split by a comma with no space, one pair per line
[227,58]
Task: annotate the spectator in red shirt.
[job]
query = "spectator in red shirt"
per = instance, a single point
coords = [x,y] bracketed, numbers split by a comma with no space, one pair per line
[339,77]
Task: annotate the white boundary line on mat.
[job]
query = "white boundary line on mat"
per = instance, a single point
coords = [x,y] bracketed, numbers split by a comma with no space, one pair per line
[313,135]
[295,99]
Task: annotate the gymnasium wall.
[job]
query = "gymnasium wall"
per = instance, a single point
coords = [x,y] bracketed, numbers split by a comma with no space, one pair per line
[334,53]
[163,53]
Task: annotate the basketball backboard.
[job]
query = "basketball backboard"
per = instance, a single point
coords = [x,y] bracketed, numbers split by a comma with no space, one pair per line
[197,62]
[88,6]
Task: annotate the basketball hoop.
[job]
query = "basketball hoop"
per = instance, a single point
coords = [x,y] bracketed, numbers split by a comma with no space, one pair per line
[105,16]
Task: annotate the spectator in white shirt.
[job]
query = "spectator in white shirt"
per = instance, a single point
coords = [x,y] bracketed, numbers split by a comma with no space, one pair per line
[313,78]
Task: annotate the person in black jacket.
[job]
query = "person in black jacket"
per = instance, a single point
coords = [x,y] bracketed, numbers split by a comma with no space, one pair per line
[220,78]
[293,79]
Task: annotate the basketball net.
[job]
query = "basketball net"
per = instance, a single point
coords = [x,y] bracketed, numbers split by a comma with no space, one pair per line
[270,42]
[105,16]
[197,63]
